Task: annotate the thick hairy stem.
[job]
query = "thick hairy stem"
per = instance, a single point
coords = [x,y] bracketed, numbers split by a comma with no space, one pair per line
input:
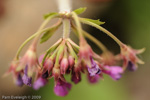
[66,28]
[64,6]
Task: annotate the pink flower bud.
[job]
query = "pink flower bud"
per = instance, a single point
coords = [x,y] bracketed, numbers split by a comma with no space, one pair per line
[48,65]
[30,57]
[56,73]
[71,61]
[85,51]
[64,65]
[41,58]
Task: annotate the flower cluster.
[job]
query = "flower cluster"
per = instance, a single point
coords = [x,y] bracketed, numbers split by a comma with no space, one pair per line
[67,57]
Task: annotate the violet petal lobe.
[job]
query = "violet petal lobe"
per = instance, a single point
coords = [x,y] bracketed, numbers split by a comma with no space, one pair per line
[40,82]
[114,71]
[26,80]
[94,69]
[62,88]
[93,79]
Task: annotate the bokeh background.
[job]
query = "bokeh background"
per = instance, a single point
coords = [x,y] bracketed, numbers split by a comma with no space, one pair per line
[129,20]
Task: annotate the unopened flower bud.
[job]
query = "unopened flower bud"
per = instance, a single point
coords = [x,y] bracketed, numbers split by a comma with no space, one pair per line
[48,65]
[71,61]
[56,72]
[64,65]
[30,57]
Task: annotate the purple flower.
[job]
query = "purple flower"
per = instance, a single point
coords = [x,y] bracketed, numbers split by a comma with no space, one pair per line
[114,71]
[26,80]
[19,81]
[76,79]
[94,69]
[131,66]
[40,82]
[62,88]
[93,79]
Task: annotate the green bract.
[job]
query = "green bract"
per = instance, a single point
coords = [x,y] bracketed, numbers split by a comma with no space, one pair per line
[50,14]
[80,10]
[98,22]
[48,34]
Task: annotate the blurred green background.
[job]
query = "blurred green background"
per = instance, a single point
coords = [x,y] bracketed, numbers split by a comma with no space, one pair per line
[129,20]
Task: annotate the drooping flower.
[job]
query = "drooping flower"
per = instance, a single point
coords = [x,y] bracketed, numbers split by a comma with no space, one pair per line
[85,52]
[94,69]
[62,88]
[130,58]
[113,71]
[16,74]
[30,60]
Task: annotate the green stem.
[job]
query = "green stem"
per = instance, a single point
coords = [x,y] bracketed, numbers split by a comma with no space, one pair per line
[73,44]
[97,42]
[26,41]
[46,22]
[37,35]
[92,38]
[51,49]
[78,24]
[103,30]
[72,52]
[60,50]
